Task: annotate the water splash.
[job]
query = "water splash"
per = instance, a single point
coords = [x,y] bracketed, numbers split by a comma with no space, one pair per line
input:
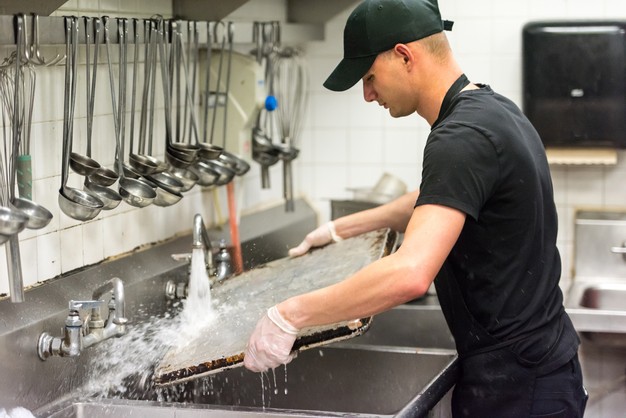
[198,311]
[123,367]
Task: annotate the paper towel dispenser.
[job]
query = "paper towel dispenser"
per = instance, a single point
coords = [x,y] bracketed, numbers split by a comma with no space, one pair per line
[574,82]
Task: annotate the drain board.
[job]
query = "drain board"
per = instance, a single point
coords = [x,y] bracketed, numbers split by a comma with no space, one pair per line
[243,300]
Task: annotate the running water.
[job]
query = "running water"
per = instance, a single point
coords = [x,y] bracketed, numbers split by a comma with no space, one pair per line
[123,366]
[198,310]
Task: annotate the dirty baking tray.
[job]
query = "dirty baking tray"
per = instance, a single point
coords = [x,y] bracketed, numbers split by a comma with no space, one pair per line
[241,301]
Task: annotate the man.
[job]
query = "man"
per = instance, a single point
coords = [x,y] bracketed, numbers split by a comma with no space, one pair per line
[483,226]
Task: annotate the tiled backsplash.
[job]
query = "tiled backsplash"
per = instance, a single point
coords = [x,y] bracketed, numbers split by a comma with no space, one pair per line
[346,142]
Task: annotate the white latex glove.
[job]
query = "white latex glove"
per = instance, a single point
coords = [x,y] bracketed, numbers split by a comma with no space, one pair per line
[270,343]
[325,234]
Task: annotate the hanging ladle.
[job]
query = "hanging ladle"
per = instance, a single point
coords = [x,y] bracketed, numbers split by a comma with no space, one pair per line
[109,197]
[73,202]
[135,192]
[141,163]
[83,164]
[103,176]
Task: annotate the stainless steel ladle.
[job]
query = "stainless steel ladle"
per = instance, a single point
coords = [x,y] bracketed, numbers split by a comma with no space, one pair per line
[73,202]
[135,192]
[93,183]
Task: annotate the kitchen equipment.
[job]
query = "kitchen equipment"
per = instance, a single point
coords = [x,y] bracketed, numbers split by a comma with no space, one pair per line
[96,182]
[81,164]
[573,82]
[290,87]
[135,192]
[243,299]
[103,176]
[73,202]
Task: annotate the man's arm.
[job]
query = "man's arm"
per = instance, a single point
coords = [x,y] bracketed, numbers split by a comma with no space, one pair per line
[400,277]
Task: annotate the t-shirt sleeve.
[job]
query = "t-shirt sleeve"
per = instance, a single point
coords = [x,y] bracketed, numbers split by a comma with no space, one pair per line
[460,169]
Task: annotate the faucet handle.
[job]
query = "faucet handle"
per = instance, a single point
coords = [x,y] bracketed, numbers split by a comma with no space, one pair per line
[76,305]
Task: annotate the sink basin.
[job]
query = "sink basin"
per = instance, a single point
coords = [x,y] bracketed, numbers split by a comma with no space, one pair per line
[411,325]
[610,297]
[364,381]
[598,310]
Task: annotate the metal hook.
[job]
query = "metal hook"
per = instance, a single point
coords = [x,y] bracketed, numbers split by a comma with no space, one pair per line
[34,47]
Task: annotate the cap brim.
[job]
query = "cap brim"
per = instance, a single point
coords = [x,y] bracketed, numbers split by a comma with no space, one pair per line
[348,73]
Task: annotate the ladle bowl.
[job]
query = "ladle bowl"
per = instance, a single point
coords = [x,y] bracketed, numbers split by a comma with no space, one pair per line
[78,204]
[109,197]
[187,178]
[181,153]
[166,180]
[12,221]
[136,192]
[166,196]
[239,166]
[103,177]
[83,165]
[206,173]
[143,164]
[209,151]
[38,216]
[177,162]
[225,172]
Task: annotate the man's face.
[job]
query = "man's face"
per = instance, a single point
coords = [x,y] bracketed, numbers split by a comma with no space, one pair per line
[385,83]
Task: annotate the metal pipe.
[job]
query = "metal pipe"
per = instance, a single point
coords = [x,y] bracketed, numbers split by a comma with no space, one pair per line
[14,269]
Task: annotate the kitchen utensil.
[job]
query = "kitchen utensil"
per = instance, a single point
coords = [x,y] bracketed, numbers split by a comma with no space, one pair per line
[84,164]
[135,192]
[103,176]
[291,80]
[269,284]
[73,202]
[186,177]
[94,182]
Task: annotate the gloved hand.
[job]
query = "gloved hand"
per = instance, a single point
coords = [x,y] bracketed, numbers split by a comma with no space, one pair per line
[323,235]
[271,342]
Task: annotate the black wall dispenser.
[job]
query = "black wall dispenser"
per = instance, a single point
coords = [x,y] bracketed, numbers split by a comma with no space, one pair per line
[574,82]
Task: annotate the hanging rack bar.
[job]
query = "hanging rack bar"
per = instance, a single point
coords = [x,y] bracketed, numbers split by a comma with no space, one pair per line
[51,30]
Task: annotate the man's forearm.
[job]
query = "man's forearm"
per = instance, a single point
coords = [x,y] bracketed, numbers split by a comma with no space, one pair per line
[394,215]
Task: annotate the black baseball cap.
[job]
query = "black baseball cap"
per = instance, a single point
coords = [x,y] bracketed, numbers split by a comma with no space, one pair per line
[376,26]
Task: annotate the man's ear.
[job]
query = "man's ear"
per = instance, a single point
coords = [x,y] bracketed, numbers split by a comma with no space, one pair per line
[405,53]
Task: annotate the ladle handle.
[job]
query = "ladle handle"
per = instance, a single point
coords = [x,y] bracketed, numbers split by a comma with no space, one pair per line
[166,84]
[105,21]
[66,104]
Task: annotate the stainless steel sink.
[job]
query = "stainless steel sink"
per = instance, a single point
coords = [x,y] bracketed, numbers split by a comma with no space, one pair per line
[115,408]
[605,296]
[419,324]
[598,310]
[359,382]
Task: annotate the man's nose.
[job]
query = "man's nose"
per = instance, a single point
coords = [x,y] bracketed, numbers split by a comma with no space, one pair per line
[368,93]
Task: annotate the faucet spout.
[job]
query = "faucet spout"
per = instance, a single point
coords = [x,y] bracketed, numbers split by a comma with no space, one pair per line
[79,334]
[116,286]
[201,240]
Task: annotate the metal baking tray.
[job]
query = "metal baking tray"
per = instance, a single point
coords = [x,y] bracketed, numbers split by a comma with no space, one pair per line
[243,299]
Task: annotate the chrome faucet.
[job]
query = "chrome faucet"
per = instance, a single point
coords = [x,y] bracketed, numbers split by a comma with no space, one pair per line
[201,240]
[79,334]
[218,266]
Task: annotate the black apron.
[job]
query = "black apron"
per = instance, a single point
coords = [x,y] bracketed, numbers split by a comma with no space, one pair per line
[495,381]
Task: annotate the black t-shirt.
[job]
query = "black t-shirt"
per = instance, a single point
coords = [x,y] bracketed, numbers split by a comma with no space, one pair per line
[485,159]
